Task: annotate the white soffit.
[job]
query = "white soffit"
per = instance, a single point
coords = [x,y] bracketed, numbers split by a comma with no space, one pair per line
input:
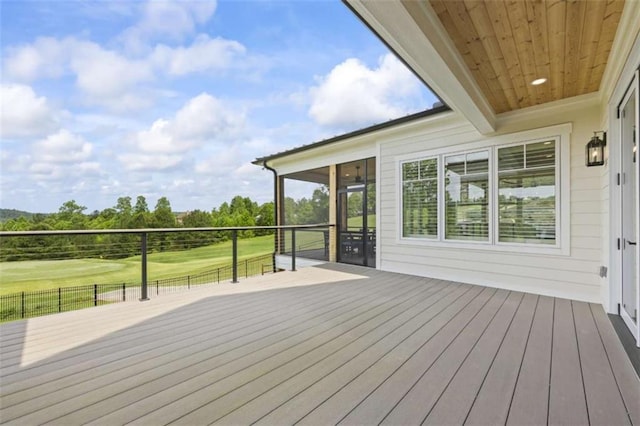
[431,54]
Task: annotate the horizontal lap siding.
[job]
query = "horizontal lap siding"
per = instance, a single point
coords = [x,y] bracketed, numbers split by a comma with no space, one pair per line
[572,276]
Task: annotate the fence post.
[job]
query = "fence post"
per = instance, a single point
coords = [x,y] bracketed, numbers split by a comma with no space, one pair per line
[59,299]
[234,256]
[188,282]
[246,268]
[124,292]
[157,287]
[273,262]
[95,295]
[143,247]
[22,303]
[293,249]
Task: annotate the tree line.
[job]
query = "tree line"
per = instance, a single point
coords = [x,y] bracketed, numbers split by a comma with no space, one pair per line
[125,214]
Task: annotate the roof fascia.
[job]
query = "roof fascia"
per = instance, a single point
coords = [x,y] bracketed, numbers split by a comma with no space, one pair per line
[396,123]
[356,143]
[627,33]
[430,53]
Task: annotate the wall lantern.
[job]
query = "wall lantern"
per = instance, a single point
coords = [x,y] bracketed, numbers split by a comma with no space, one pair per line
[595,149]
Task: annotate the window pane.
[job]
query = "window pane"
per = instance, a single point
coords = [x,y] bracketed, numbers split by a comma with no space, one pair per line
[420,201]
[467,197]
[511,158]
[541,154]
[478,162]
[455,163]
[410,171]
[527,199]
[428,169]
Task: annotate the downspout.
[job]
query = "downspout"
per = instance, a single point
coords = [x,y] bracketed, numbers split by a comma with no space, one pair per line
[276,240]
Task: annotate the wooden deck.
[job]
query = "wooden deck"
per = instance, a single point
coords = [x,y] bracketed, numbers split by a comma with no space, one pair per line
[352,346]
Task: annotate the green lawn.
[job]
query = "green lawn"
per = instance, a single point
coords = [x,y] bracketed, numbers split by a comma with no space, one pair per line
[39,275]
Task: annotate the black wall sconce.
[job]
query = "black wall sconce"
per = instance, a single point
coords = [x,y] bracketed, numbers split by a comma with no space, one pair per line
[595,149]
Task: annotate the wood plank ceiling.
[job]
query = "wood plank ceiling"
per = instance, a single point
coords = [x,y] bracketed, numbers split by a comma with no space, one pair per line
[508,44]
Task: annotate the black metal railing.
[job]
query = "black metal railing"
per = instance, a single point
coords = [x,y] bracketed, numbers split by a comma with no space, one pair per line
[29,304]
[309,243]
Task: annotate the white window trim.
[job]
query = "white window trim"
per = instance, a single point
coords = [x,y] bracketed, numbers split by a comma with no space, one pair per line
[401,195]
[442,197]
[560,133]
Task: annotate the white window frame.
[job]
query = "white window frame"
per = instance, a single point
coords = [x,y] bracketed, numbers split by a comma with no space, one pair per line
[560,134]
[441,197]
[496,234]
[401,195]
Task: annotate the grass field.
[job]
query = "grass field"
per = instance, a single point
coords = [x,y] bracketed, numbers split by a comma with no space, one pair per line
[39,275]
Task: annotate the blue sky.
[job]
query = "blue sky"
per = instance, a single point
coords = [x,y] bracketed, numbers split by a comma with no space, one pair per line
[103,99]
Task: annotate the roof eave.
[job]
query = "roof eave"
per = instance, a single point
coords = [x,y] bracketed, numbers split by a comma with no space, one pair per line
[371,129]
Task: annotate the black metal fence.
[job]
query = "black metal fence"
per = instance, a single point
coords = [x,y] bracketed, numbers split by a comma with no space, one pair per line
[43,302]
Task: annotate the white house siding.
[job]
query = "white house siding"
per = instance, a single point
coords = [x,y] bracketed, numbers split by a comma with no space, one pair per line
[573,274]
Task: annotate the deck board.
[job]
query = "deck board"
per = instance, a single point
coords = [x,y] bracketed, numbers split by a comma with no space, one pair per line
[424,393]
[530,399]
[604,401]
[491,405]
[347,345]
[567,401]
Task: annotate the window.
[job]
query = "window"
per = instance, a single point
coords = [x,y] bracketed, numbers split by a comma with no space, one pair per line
[467,196]
[527,193]
[492,195]
[420,198]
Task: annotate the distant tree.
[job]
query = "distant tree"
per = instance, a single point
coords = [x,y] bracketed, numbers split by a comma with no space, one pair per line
[196,219]
[265,217]
[141,217]
[320,205]
[141,205]
[163,217]
[124,212]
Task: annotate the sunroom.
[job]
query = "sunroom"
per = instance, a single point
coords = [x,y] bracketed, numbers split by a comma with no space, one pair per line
[496,187]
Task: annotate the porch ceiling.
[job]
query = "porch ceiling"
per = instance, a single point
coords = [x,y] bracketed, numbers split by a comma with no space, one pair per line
[508,44]
[480,57]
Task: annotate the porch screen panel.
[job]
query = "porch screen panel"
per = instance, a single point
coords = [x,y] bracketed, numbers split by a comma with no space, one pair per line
[420,198]
[527,193]
[467,196]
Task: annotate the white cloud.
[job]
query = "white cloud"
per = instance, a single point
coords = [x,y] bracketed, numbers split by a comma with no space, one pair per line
[205,117]
[167,19]
[104,73]
[202,119]
[23,113]
[205,54]
[46,57]
[112,79]
[62,147]
[105,77]
[149,162]
[352,94]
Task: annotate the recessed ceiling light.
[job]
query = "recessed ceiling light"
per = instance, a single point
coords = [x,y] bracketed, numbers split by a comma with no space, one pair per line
[538,81]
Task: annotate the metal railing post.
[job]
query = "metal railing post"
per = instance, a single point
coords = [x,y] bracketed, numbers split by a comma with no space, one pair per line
[22,304]
[143,249]
[234,236]
[59,299]
[293,249]
[95,295]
